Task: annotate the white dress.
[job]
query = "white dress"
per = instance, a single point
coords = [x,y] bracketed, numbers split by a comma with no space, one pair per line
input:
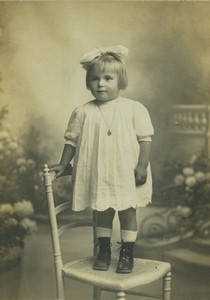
[103,172]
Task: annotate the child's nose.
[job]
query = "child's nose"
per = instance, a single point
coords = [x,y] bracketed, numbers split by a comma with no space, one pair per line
[100,82]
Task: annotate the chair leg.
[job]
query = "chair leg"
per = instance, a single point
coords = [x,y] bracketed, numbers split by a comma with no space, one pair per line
[167,286]
[59,277]
[96,293]
[120,296]
[60,289]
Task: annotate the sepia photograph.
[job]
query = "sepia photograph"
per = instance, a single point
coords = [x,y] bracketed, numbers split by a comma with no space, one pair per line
[104,150]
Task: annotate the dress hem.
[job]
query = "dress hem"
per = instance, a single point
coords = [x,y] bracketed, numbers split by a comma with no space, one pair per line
[116,209]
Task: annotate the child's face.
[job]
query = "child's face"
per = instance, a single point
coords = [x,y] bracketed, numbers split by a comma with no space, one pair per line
[104,85]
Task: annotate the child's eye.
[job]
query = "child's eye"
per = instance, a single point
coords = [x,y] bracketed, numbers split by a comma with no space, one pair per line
[108,78]
[94,78]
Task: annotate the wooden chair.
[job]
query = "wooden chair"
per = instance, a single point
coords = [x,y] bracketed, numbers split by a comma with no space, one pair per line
[144,272]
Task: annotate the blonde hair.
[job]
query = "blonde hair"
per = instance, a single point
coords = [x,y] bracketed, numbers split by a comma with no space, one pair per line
[108,61]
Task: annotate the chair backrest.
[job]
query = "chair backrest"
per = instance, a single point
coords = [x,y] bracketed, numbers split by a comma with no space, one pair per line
[54,211]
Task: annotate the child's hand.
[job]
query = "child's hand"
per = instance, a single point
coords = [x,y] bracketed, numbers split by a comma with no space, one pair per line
[140,175]
[58,169]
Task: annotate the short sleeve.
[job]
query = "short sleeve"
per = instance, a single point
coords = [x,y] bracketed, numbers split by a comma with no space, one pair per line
[142,122]
[74,127]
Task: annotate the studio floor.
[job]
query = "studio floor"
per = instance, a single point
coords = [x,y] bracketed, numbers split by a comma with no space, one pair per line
[33,278]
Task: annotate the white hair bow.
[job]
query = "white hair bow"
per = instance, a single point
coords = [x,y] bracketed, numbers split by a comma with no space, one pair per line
[120,51]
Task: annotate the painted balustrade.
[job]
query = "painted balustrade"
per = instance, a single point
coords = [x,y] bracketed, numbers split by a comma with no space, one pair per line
[191,120]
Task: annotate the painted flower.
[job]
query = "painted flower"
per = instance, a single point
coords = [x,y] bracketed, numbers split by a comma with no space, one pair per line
[188,171]
[21,161]
[11,222]
[29,225]
[36,187]
[200,176]
[40,174]
[184,211]
[30,164]
[13,146]
[22,170]
[23,208]
[193,159]
[4,135]
[6,209]
[190,181]
[179,179]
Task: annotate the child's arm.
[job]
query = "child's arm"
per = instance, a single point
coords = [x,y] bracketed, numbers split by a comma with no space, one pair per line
[67,156]
[141,168]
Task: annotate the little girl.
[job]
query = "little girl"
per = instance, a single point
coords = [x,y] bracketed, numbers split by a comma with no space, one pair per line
[110,139]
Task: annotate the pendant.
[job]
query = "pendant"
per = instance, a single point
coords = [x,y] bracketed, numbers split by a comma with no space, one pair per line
[109,132]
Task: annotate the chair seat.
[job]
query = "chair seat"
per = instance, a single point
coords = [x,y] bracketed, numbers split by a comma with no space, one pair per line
[144,272]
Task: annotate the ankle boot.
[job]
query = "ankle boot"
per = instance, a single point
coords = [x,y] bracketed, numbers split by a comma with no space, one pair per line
[104,256]
[125,264]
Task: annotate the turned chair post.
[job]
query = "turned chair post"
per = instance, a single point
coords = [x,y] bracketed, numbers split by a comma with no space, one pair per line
[167,286]
[54,233]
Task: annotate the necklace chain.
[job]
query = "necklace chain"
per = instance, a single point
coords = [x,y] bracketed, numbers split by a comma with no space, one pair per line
[109,132]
